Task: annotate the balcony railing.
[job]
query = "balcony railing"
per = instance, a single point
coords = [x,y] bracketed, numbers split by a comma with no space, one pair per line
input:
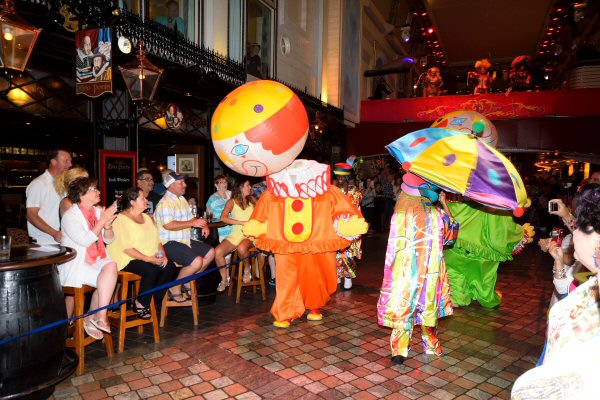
[164,43]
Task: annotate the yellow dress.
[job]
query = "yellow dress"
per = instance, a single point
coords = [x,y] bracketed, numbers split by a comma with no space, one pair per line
[237,213]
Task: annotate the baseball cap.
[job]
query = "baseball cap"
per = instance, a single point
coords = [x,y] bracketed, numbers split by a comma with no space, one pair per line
[171,178]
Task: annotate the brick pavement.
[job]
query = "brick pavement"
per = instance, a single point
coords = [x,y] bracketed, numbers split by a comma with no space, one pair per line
[237,353]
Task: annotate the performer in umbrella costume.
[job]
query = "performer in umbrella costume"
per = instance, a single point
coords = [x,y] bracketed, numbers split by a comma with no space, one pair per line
[346,259]
[487,235]
[258,130]
[415,288]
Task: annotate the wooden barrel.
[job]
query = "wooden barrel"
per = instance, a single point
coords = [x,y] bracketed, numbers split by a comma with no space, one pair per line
[31,297]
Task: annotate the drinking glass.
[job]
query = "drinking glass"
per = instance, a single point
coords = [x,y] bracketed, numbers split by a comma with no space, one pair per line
[5,242]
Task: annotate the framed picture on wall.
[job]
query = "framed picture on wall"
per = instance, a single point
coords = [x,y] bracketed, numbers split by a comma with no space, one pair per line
[187,164]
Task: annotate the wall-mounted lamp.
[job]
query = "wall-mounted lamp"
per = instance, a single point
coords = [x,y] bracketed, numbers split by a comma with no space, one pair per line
[18,38]
[141,77]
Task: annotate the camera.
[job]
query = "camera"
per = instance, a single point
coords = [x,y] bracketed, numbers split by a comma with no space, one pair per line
[557,236]
[552,206]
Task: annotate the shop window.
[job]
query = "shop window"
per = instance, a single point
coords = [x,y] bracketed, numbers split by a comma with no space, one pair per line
[174,14]
[259,39]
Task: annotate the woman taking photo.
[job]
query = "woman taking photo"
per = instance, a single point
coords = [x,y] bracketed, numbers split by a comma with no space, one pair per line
[240,207]
[570,366]
[85,228]
[137,248]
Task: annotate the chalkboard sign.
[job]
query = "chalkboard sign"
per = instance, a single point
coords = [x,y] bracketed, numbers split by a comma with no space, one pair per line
[117,173]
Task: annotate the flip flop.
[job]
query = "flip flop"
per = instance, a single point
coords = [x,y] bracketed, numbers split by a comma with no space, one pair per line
[174,297]
[92,331]
[186,291]
[101,325]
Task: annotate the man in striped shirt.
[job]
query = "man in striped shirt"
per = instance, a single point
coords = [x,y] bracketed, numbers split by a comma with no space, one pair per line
[175,221]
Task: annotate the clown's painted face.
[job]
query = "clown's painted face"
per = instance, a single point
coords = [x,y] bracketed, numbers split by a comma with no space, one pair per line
[470,122]
[259,128]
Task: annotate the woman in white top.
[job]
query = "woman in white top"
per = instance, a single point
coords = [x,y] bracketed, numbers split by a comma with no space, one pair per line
[85,228]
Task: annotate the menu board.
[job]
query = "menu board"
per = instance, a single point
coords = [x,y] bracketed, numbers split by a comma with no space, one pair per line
[117,173]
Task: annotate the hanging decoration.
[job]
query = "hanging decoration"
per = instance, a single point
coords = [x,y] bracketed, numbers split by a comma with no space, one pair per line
[93,62]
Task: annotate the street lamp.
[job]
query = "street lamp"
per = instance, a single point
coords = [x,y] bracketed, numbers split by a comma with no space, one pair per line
[18,38]
[141,78]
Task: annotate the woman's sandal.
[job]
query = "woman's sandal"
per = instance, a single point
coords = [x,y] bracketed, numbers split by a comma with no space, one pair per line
[91,330]
[176,297]
[186,291]
[143,313]
[247,276]
[101,325]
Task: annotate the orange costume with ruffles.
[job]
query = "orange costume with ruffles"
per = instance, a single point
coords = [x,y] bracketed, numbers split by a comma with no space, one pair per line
[303,221]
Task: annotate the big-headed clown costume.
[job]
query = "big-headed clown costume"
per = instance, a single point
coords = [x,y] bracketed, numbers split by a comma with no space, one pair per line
[258,129]
[304,221]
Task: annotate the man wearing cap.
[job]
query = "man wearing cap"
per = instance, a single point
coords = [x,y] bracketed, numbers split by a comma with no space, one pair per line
[175,221]
[145,181]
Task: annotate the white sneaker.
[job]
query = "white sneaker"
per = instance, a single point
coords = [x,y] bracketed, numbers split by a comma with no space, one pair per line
[347,283]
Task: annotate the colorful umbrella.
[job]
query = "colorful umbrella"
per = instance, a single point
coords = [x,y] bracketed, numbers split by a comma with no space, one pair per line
[461,163]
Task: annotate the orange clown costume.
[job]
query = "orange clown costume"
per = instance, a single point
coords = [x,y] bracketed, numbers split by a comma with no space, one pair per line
[257,130]
[303,221]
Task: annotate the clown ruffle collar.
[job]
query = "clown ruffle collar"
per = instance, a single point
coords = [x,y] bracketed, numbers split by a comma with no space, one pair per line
[303,178]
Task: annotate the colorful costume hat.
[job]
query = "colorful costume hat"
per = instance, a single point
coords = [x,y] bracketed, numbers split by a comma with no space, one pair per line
[343,169]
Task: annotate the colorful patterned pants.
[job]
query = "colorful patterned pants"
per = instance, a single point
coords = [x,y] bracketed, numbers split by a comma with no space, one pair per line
[346,267]
[400,341]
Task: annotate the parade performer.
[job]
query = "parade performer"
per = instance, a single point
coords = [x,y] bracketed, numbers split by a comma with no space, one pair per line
[346,258]
[482,76]
[415,288]
[303,221]
[487,237]
[433,82]
[258,130]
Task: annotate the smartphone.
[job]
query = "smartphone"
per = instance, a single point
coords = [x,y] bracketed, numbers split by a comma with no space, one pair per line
[557,236]
[552,206]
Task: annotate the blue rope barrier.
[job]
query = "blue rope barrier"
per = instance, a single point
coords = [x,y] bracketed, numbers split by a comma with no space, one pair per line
[118,303]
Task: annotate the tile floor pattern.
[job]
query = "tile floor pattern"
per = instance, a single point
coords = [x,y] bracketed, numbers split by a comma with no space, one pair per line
[237,353]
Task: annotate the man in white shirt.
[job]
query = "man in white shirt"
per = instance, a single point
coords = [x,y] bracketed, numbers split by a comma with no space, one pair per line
[43,222]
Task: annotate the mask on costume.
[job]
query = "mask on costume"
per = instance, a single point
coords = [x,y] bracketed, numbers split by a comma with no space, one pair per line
[430,191]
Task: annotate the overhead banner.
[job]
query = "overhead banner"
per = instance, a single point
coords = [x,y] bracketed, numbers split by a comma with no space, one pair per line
[93,62]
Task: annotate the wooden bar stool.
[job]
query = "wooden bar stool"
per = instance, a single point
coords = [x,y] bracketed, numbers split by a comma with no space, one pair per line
[193,302]
[256,269]
[120,319]
[79,340]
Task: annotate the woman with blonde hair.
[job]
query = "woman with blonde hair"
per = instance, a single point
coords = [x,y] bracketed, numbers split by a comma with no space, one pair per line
[62,182]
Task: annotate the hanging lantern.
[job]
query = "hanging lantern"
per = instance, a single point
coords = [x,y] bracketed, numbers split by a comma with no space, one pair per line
[141,77]
[18,38]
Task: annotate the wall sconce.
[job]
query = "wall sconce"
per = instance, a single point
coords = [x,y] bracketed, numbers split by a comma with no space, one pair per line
[18,38]
[405,33]
[317,128]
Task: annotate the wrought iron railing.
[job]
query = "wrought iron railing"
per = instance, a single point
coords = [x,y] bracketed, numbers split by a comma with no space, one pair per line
[165,43]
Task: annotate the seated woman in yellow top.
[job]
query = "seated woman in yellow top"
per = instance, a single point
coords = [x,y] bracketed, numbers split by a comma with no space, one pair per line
[137,248]
[240,206]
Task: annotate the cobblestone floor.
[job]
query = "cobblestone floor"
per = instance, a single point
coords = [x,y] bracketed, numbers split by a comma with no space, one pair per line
[235,352]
